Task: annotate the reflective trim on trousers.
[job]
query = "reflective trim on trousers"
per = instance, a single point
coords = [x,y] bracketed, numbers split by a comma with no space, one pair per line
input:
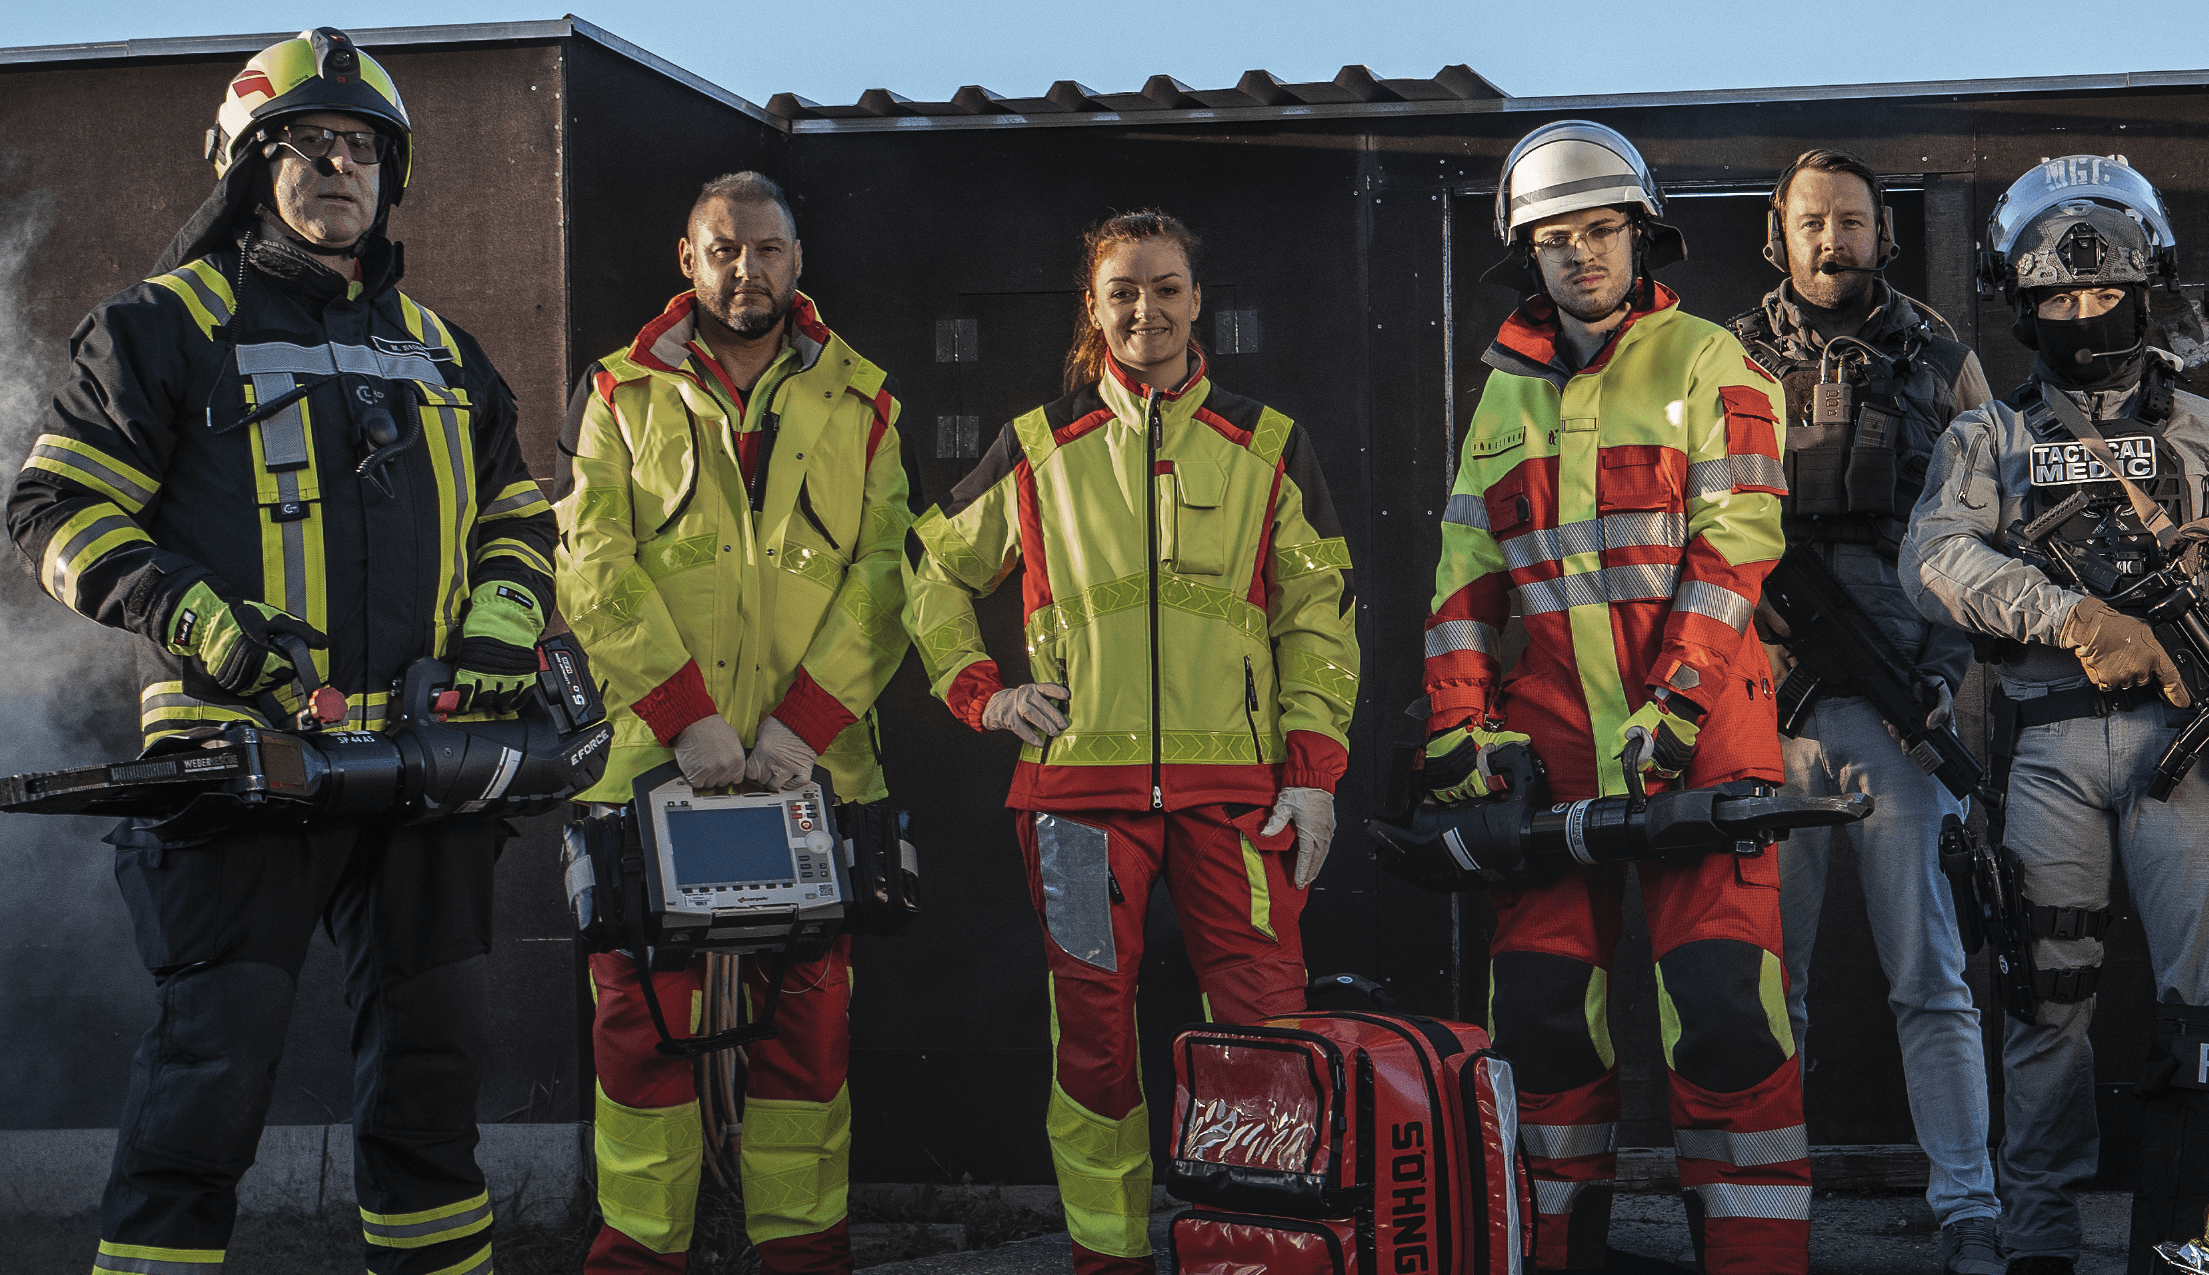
[144,1259]
[1567,1141]
[1553,1198]
[430,1226]
[1754,1199]
[1744,1150]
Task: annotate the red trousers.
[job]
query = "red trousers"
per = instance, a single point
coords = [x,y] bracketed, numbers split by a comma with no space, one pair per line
[1090,875]
[1736,1094]
[797,1118]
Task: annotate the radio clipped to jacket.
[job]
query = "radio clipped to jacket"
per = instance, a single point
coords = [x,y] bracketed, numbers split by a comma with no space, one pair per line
[738,872]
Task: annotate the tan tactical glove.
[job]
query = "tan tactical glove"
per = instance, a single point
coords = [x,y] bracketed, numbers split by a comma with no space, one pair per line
[710,753]
[1026,711]
[2120,652]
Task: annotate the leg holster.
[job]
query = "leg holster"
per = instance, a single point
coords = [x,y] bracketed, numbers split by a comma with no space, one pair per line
[2172,1192]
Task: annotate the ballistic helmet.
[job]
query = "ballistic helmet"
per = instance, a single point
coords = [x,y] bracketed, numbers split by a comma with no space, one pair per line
[318,70]
[2079,221]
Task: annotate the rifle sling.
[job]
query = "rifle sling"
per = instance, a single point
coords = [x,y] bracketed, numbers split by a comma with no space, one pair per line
[2149,513]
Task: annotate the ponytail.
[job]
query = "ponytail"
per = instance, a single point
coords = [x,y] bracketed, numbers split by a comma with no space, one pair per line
[1086,357]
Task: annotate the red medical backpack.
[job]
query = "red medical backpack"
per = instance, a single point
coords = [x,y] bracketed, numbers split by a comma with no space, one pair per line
[1378,1144]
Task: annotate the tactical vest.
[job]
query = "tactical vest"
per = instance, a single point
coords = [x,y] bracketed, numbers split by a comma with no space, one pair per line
[2060,467]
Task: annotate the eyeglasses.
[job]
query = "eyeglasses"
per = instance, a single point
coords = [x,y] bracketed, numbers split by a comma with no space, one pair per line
[1598,240]
[364,147]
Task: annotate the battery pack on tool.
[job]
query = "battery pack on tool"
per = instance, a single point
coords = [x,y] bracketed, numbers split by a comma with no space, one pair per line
[737,872]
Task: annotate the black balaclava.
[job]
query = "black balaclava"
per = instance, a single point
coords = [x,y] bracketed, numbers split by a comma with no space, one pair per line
[2103,352]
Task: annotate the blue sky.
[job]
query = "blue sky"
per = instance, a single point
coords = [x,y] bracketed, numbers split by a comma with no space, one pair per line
[832,50]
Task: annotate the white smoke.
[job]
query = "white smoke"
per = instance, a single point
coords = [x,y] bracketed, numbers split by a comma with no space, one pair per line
[73,995]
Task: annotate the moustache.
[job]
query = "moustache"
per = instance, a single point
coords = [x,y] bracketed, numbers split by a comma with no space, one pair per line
[1835,267]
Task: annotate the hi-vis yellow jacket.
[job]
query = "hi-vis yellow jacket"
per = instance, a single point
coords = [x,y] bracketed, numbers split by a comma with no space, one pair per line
[146,480]
[1631,511]
[699,584]
[1185,579]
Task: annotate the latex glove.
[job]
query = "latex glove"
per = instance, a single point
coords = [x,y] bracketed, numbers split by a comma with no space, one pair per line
[1457,762]
[1027,711]
[1934,691]
[1312,810]
[780,760]
[2120,651]
[495,666]
[234,641]
[710,753]
[1667,739]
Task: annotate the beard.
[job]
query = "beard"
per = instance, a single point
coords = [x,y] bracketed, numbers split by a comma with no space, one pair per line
[750,316]
[1835,291]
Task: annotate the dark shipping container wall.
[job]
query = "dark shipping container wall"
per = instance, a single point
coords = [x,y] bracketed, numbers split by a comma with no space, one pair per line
[102,164]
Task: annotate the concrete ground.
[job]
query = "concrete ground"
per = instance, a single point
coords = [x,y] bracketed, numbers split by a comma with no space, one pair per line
[1847,1237]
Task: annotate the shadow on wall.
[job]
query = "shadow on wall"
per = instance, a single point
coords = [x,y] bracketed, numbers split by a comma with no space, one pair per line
[68,969]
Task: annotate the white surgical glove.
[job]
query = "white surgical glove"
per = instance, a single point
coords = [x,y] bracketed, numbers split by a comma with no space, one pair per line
[1313,813]
[780,760]
[710,753]
[1026,711]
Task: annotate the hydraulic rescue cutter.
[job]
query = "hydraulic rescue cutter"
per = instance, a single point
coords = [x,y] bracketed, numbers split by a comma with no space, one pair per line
[424,767]
[1524,838]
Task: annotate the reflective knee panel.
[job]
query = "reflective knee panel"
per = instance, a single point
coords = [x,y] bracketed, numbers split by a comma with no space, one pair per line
[1547,1013]
[1723,1006]
[1104,1175]
[648,1162]
[795,1165]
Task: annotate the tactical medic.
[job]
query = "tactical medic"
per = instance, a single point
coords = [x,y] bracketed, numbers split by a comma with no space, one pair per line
[1856,461]
[1620,479]
[2101,450]
[268,440]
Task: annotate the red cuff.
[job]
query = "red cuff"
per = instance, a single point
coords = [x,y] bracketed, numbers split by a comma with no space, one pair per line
[816,716]
[676,703]
[969,692]
[1315,761]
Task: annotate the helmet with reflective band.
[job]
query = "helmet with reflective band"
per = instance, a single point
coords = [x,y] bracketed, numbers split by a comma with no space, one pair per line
[1568,166]
[320,70]
[2079,221]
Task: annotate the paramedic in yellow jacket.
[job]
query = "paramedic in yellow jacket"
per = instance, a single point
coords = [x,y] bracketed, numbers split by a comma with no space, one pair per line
[731,536]
[1187,601]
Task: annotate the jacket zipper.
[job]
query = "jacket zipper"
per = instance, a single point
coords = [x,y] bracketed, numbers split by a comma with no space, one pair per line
[1250,711]
[1150,488]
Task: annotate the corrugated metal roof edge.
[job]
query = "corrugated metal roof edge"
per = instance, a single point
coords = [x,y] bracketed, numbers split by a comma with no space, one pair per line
[1369,110]
[391,37]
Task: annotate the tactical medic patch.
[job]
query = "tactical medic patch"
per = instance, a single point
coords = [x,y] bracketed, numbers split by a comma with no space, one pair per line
[2063,464]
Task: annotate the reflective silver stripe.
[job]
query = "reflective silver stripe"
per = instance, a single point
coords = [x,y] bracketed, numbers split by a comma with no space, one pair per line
[1639,582]
[208,297]
[1467,511]
[294,535]
[1506,1087]
[77,544]
[1074,865]
[1710,479]
[284,435]
[519,500]
[1646,527]
[1744,1150]
[324,360]
[1716,601]
[1613,531]
[1564,1141]
[387,1235]
[1554,1198]
[1463,635]
[1757,1199]
[107,1262]
[77,460]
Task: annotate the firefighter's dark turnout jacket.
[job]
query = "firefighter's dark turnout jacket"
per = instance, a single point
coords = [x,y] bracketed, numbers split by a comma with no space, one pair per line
[144,482]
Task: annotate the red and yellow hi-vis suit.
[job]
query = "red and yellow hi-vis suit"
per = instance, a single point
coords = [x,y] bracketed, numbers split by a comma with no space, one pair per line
[1631,511]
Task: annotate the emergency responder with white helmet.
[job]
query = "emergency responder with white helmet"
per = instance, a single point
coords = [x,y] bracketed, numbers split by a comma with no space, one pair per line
[1851,484]
[1621,478]
[2101,443]
[266,441]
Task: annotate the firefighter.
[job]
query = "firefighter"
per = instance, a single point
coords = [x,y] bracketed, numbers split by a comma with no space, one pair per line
[2089,697]
[267,440]
[732,514]
[1620,480]
[1186,596]
[1834,319]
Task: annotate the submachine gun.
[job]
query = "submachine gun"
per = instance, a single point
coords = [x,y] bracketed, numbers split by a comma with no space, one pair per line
[1839,650]
[2166,598]
[239,774]
[1525,839]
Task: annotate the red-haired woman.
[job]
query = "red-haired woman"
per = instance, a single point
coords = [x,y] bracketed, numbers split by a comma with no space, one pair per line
[1187,600]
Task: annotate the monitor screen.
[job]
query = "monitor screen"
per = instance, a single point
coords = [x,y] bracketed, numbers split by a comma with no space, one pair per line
[729,845]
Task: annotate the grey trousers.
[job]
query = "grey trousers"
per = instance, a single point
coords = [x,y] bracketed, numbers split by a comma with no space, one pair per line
[1846,748]
[2078,791]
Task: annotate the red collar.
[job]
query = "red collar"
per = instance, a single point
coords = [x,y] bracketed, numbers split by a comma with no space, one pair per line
[664,343]
[1140,390]
[1533,331]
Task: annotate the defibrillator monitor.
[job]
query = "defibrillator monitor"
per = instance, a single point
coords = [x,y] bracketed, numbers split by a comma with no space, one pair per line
[730,869]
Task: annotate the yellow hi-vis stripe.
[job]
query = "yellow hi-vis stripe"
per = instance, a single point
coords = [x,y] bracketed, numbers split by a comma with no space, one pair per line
[1261,896]
[1594,646]
[204,292]
[795,1165]
[430,1226]
[144,1259]
[82,463]
[648,1160]
[452,459]
[1104,1166]
[89,535]
[476,1263]
[507,546]
[293,572]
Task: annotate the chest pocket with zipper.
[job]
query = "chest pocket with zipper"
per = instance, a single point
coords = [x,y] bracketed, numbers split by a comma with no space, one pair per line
[1196,543]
